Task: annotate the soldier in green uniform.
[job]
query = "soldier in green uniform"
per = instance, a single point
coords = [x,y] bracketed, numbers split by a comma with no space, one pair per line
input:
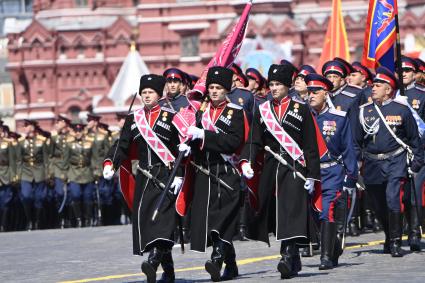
[100,148]
[79,157]
[31,157]
[58,167]
[7,174]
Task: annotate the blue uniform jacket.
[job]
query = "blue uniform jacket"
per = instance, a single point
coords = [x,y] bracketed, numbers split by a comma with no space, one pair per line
[243,98]
[336,131]
[377,140]
[176,103]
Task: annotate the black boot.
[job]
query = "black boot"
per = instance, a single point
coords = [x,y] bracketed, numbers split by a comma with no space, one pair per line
[328,236]
[88,214]
[377,226]
[395,234]
[167,264]
[307,251]
[213,266]
[369,219]
[38,218]
[290,263]
[353,228]
[4,216]
[339,216]
[76,208]
[415,231]
[150,266]
[28,216]
[231,270]
[242,233]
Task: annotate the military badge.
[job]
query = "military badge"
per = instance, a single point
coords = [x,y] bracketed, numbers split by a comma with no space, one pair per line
[296,106]
[416,103]
[240,100]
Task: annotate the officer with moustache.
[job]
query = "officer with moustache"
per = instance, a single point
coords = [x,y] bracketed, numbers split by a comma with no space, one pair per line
[149,137]
[31,157]
[338,167]
[216,138]
[58,167]
[7,175]
[285,118]
[388,134]
[175,98]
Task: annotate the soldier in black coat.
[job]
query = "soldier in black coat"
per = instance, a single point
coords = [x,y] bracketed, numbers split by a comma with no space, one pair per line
[218,135]
[283,198]
[149,136]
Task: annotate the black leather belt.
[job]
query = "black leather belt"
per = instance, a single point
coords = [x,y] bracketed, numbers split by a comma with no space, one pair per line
[384,156]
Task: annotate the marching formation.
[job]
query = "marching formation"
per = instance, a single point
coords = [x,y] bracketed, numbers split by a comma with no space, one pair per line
[301,157]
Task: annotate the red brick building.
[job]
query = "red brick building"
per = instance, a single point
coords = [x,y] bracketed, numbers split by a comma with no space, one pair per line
[67,58]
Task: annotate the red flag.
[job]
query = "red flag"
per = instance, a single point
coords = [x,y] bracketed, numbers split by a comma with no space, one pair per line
[336,42]
[228,50]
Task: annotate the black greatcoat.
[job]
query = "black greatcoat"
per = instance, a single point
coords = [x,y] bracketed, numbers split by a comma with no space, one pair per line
[146,233]
[215,209]
[283,206]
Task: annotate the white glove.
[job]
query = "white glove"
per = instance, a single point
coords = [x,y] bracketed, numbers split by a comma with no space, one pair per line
[108,172]
[176,184]
[247,170]
[309,185]
[184,148]
[195,133]
[349,190]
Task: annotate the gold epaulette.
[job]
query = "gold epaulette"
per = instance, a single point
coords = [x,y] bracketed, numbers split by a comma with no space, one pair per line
[41,138]
[89,138]
[54,133]
[21,139]
[70,139]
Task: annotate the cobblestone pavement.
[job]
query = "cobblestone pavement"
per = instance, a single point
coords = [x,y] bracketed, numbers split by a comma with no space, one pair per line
[105,254]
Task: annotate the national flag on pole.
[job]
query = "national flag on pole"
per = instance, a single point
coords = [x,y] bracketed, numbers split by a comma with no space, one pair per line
[380,36]
[228,50]
[336,42]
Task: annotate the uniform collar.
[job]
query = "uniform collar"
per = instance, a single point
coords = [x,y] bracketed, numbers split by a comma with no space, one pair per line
[411,85]
[282,101]
[219,106]
[174,97]
[386,102]
[156,108]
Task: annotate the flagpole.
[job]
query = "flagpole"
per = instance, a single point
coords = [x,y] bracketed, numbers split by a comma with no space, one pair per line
[398,51]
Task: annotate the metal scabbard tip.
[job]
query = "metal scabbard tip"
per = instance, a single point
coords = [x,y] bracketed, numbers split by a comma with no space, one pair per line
[267,148]
[155,213]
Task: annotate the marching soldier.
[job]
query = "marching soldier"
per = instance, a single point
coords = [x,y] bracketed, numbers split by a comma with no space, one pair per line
[286,127]
[338,167]
[388,135]
[415,94]
[100,148]
[362,77]
[218,135]
[79,155]
[343,95]
[58,165]
[7,175]
[31,157]
[300,85]
[239,95]
[150,131]
[175,99]
[420,75]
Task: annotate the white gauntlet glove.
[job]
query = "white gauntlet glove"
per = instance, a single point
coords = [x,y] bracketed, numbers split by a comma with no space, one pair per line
[108,172]
[247,170]
[184,148]
[309,185]
[195,133]
[176,185]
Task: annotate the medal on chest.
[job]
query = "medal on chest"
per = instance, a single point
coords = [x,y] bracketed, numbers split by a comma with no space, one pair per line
[329,129]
